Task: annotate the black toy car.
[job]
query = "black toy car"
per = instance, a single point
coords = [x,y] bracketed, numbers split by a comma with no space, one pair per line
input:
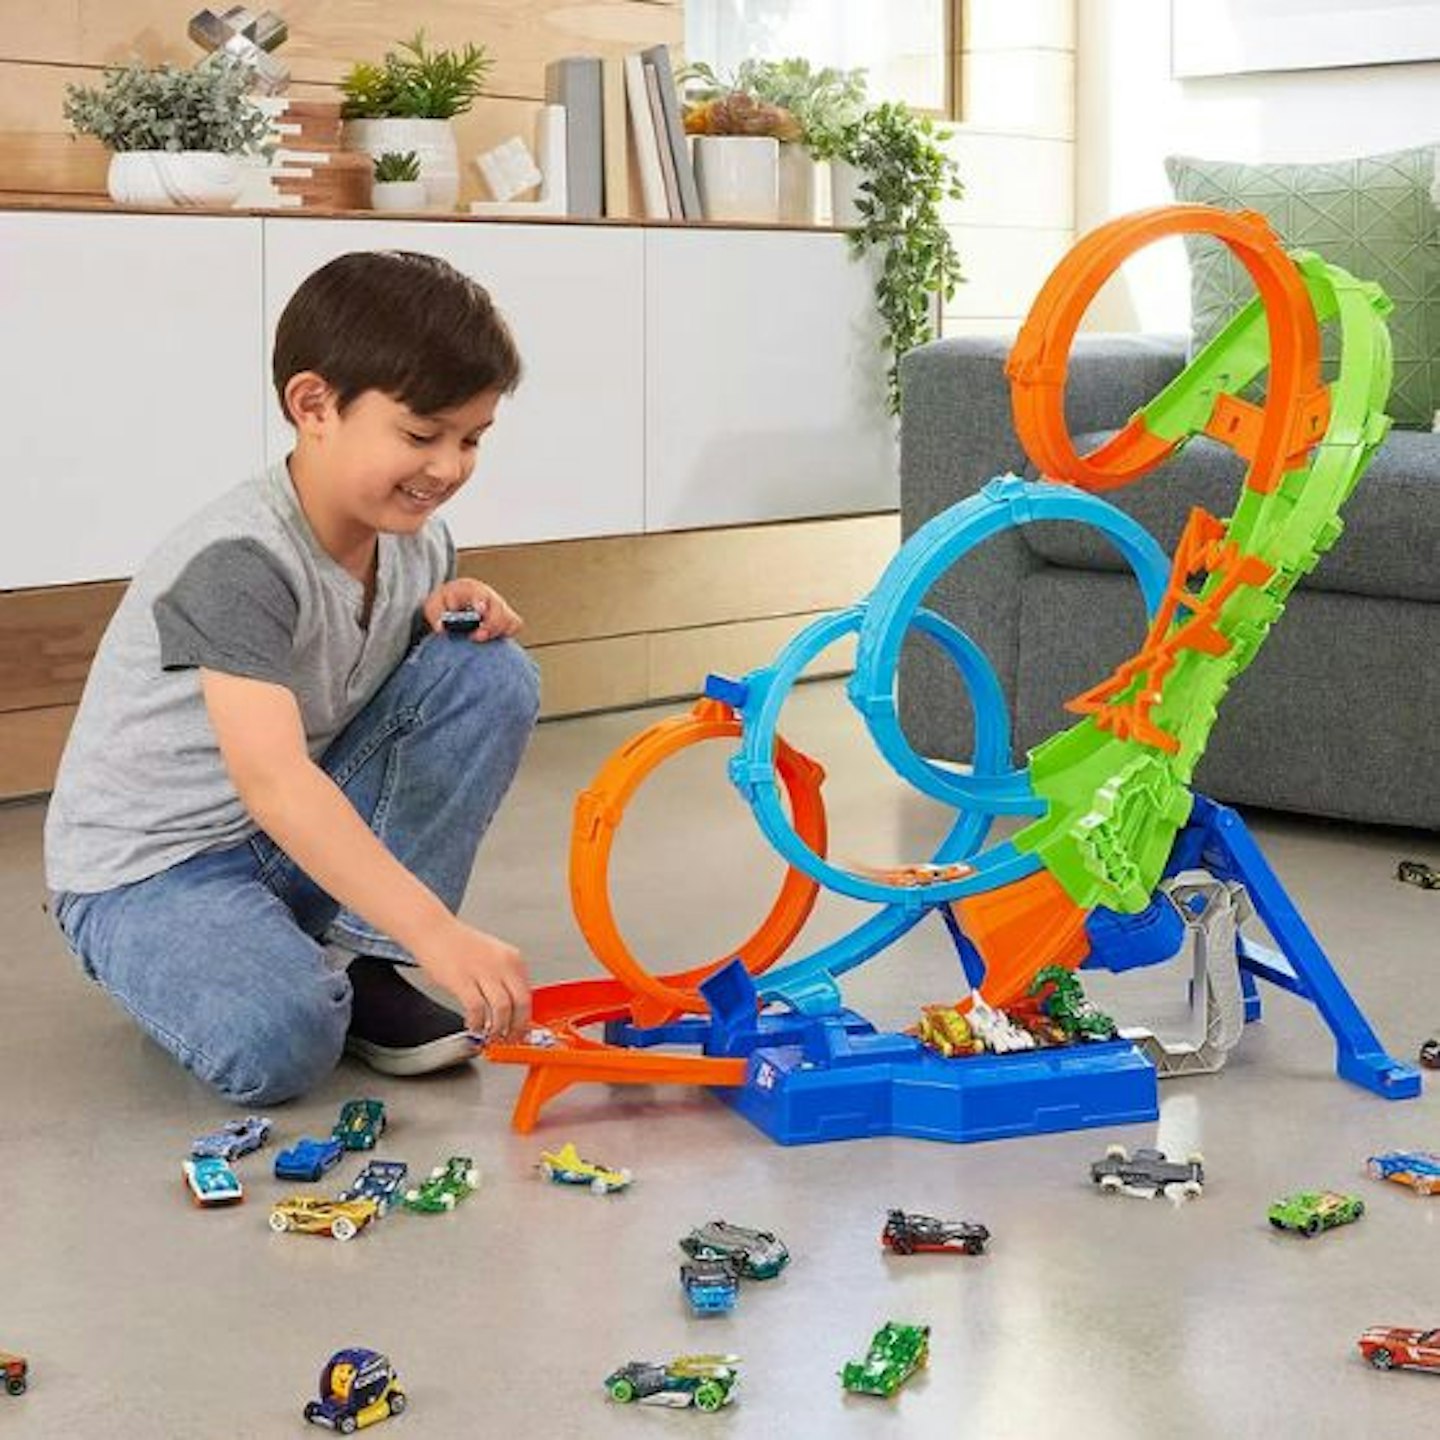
[1430,1053]
[1148,1173]
[908,1234]
[1417,872]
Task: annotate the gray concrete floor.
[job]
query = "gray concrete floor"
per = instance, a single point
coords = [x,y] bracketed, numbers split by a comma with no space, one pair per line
[145,1317]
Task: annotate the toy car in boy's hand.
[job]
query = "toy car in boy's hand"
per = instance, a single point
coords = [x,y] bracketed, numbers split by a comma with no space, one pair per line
[234,1138]
[465,621]
[1148,1173]
[308,1159]
[907,1234]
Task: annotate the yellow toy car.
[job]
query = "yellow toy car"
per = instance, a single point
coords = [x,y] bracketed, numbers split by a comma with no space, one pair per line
[945,1030]
[566,1166]
[344,1219]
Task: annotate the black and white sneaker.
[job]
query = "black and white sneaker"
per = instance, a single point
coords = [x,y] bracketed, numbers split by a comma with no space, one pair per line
[398,1029]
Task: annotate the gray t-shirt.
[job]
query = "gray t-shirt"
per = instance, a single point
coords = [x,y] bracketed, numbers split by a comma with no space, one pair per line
[244,588]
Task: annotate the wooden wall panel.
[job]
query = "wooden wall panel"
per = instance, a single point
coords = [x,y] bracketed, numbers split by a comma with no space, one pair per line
[611,622]
[45,47]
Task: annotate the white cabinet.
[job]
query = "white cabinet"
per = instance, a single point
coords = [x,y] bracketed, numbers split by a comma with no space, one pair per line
[764,382]
[673,377]
[566,455]
[130,383]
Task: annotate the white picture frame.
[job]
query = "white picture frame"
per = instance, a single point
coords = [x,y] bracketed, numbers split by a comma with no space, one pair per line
[1241,37]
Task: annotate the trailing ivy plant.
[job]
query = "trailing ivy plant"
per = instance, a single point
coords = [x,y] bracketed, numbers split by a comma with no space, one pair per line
[905,176]
[141,107]
[397,165]
[415,83]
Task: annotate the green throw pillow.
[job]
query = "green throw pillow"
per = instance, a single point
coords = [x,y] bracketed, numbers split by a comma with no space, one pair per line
[1374,216]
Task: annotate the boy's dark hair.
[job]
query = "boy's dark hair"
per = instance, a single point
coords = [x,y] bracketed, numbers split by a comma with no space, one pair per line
[409,325]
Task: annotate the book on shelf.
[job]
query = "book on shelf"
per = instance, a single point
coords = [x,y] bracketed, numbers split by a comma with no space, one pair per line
[672,133]
[673,204]
[647,141]
[575,82]
[623,199]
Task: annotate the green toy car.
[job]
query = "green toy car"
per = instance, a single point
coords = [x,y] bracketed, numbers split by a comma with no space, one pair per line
[1067,1006]
[1311,1211]
[448,1184]
[896,1352]
[361,1124]
[705,1381]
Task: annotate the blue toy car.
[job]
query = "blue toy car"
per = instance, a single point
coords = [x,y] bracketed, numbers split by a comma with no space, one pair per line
[380,1181]
[211,1181]
[358,1388]
[234,1138]
[711,1286]
[308,1159]
[1419,1169]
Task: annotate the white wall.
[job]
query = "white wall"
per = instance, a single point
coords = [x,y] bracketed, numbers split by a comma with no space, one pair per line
[1130,115]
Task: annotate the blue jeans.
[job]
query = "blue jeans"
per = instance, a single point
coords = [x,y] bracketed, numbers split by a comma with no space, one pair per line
[221,958]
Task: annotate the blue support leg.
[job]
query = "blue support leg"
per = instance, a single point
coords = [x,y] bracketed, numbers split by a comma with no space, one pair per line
[1302,967]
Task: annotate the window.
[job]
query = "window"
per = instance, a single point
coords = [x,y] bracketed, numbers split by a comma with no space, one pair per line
[904,46]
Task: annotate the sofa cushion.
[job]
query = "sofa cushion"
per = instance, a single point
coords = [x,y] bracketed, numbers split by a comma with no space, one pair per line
[1374,216]
[1390,546]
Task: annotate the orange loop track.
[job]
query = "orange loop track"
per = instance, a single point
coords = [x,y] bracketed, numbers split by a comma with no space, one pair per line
[636,994]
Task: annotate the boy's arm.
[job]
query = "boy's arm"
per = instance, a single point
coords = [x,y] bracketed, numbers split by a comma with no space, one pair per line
[262,741]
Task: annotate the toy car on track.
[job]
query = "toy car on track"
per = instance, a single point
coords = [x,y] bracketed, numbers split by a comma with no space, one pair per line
[211,1181]
[755,1254]
[361,1124]
[310,1215]
[566,1166]
[1391,1348]
[15,1372]
[896,1352]
[1419,1169]
[380,1181]
[711,1286]
[908,1234]
[705,1381]
[1148,1173]
[357,1388]
[446,1186]
[1311,1211]
[1062,999]
[308,1159]
[234,1138]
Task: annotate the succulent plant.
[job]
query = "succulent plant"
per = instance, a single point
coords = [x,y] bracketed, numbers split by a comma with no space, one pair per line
[397,165]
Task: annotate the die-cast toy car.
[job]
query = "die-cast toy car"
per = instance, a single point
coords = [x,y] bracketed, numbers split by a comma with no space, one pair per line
[1147,1173]
[1311,1211]
[234,1138]
[755,1254]
[361,1124]
[566,1166]
[1419,1169]
[308,1159]
[907,1234]
[1389,1347]
[15,1372]
[711,1286]
[211,1181]
[705,1381]
[310,1215]
[380,1181]
[896,1352]
[446,1186]
[358,1387]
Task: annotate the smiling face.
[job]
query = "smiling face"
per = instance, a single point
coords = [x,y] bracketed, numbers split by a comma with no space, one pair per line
[377,466]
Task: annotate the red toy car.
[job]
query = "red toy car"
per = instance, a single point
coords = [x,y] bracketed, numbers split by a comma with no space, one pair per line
[909,1234]
[1389,1347]
[14,1372]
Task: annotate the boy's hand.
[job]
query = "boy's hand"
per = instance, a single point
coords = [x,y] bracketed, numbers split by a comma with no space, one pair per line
[497,619]
[486,975]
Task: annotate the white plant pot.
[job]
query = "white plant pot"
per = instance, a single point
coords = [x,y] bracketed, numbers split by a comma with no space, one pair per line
[799,186]
[738,177]
[173,177]
[845,181]
[398,195]
[433,141]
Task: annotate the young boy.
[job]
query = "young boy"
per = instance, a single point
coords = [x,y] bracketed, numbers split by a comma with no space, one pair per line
[283,763]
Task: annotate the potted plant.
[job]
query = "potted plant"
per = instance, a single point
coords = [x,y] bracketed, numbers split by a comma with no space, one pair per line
[904,175]
[406,103]
[397,184]
[176,135]
[737,146]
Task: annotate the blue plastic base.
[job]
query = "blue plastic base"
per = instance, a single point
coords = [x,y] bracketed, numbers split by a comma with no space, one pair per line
[881,1084]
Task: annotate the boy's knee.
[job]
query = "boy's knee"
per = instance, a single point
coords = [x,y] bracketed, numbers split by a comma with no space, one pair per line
[285,1047]
[497,676]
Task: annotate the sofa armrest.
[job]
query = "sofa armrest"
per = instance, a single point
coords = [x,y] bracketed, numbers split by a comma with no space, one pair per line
[956,433]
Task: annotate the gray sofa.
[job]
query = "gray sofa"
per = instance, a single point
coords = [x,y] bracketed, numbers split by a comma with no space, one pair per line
[1340,713]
